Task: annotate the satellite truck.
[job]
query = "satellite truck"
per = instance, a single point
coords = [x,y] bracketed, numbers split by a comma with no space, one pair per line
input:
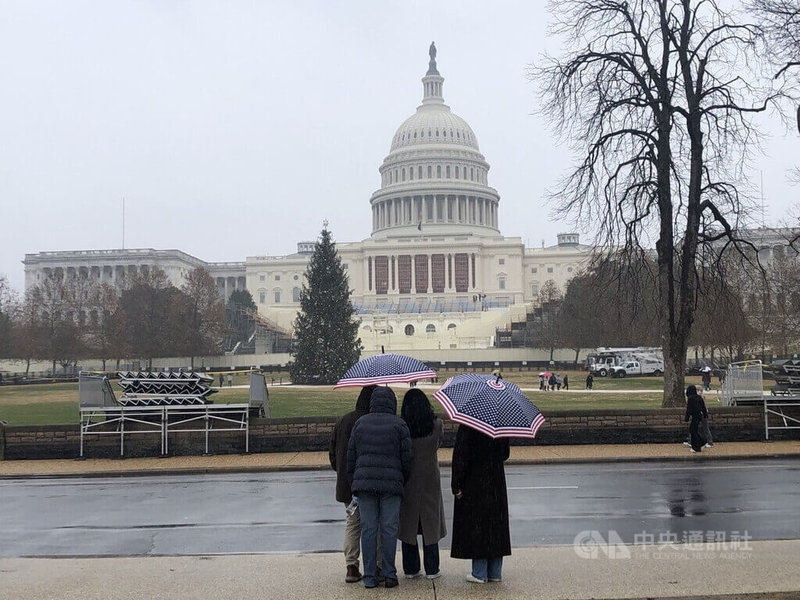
[621,362]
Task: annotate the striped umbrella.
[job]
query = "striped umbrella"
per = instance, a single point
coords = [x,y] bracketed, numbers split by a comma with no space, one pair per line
[492,406]
[385,368]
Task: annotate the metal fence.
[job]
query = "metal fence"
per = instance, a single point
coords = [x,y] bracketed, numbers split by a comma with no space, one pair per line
[743,383]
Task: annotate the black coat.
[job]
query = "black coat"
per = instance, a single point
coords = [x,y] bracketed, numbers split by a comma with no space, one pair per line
[379,456]
[695,408]
[337,452]
[480,517]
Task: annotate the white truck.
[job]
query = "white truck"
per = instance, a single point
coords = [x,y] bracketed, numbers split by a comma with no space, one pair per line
[603,360]
[635,367]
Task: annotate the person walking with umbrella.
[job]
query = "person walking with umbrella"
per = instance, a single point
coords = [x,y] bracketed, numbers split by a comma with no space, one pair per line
[337,454]
[379,461]
[422,508]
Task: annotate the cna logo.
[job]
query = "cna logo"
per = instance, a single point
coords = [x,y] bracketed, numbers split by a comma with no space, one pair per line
[592,544]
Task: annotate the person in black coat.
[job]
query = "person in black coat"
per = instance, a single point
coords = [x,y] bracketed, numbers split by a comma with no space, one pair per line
[480,510]
[379,461]
[696,411]
[337,454]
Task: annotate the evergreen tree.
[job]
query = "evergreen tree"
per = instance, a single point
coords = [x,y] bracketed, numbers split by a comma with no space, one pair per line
[326,341]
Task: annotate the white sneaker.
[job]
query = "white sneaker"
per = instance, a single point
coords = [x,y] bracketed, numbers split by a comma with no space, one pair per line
[434,575]
[693,450]
[687,444]
[472,579]
[708,446]
[412,575]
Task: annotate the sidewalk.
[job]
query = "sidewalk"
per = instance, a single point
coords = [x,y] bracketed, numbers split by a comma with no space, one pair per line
[554,573]
[763,570]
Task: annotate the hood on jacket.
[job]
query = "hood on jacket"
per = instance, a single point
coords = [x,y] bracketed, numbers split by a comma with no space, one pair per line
[362,404]
[383,400]
[691,390]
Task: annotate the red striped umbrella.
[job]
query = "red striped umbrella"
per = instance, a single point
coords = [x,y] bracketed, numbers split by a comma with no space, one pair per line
[492,406]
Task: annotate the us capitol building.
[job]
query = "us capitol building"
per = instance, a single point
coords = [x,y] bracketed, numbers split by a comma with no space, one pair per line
[434,273]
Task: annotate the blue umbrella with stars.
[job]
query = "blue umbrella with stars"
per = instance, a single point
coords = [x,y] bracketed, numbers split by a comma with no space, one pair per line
[489,404]
[384,369]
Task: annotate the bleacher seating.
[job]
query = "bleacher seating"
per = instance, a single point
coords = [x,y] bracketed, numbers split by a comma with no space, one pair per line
[163,403]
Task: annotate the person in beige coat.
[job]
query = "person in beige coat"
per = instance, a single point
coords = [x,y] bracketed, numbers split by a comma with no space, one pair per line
[422,508]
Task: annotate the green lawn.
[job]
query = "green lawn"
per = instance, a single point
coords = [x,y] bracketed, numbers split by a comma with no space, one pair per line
[50,404]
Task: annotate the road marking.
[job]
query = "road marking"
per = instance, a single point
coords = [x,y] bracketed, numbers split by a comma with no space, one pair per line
[546,487]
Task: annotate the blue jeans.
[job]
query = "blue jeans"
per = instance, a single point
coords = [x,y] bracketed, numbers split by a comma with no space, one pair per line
[378,512]
[487,568]
[430,557]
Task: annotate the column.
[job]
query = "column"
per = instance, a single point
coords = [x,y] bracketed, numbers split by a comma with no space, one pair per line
[413,273]
[430,271]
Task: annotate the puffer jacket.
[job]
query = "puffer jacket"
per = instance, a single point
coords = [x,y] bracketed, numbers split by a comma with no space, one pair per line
[379,456]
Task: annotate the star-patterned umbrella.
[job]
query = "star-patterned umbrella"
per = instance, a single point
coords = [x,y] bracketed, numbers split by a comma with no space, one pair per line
[385,368]
[492,406]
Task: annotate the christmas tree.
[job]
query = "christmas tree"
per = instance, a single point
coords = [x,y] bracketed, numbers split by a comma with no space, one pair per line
[326,331]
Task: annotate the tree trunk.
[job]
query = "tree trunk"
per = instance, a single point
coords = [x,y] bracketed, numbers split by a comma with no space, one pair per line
[673,382]
[104,365]
[577,354]
[27,366]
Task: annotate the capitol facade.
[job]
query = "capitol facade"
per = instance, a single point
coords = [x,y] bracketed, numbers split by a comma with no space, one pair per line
[435,272]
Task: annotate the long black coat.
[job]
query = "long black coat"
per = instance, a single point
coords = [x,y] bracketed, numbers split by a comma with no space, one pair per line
[337,452]
[480,517]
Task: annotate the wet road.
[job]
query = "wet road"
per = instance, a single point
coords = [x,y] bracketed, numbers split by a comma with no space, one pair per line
[296,512]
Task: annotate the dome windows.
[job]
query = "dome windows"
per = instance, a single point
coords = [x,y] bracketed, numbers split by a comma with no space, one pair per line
[419,172]
[447,171]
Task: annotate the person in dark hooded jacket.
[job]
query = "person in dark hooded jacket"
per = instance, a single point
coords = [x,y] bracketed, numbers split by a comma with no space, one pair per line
[379,461]
[337,454]
[696,411]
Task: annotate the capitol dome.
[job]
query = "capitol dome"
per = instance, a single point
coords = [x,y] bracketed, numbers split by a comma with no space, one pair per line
[434,179]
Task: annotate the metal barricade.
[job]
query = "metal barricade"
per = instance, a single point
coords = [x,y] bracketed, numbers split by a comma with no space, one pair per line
[743,384]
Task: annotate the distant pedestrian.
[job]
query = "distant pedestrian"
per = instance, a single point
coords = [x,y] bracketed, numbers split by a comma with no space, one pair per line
[552,381]
[589,381]
[541,381]
[706,379]
[566,382]
[558,382]
[230,379]
[695,410]
[220,380]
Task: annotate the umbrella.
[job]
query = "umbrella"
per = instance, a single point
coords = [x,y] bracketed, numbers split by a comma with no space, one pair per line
[385,368]
[545,374]
[492,406]
[706,369]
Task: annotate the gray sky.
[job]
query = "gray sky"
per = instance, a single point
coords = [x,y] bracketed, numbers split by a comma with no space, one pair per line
[234,128]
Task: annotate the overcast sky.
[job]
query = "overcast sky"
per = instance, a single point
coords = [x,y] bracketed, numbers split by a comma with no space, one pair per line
[233,128]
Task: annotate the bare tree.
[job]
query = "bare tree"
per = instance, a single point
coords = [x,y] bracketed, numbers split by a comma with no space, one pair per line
[657,98]
[546,333]
[204,314]
[9,309]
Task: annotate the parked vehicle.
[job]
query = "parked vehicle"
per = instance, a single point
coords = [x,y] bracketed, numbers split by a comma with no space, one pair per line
[602,361]
[634,367]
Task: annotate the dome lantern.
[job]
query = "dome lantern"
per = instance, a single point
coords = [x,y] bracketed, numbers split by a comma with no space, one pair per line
[432,82]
